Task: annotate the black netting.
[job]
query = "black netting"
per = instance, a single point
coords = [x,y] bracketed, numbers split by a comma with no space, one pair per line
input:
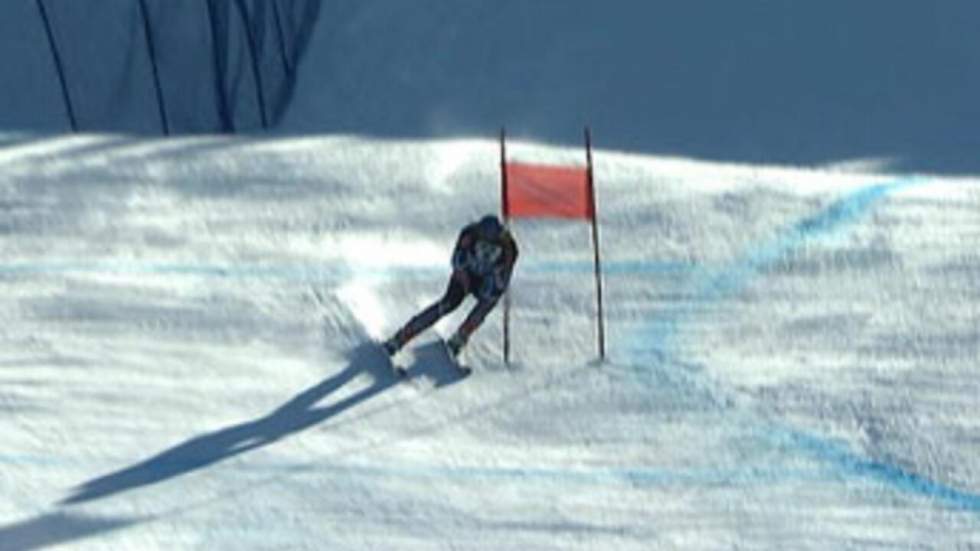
[30,94]
[151,66]
[241,102]
[178,27]
[106,66]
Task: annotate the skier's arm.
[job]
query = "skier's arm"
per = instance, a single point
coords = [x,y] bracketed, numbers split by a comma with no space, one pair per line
[461,252]
[496,283]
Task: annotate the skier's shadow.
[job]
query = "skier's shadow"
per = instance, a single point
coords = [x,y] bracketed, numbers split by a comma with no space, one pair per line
[432,363]
[299,413]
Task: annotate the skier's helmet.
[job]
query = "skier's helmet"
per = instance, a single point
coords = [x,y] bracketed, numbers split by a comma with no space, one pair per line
[489,227]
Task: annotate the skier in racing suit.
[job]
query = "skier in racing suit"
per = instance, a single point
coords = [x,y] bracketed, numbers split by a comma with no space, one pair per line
[482,262]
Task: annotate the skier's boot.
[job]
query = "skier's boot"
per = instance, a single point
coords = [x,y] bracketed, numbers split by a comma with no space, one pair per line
[455,345]
[392,345]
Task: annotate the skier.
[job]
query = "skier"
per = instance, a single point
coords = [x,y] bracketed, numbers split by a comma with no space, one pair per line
[482,262]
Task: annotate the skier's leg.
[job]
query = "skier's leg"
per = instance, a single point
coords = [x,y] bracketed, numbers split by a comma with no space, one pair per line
[455,292]
[472,322]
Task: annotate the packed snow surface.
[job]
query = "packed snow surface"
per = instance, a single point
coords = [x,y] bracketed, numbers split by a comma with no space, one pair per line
[187,357]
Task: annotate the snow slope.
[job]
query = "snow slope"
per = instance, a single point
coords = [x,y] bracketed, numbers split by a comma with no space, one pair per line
[186,360]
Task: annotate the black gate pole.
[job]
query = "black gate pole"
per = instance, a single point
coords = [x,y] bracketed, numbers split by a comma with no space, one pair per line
[505,207]
[600,323]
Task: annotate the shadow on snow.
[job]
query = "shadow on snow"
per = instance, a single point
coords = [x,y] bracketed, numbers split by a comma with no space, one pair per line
[298,414]
[56,528]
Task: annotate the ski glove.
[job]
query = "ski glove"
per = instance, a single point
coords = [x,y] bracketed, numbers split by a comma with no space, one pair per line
[488,289]
[493,285]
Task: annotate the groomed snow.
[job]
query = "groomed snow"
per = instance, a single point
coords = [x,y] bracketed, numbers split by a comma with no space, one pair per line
[186,363]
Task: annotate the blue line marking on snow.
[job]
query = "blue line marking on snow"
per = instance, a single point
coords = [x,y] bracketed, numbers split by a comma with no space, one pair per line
[325,273]
[711,285]
[902,479]
[655,338]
